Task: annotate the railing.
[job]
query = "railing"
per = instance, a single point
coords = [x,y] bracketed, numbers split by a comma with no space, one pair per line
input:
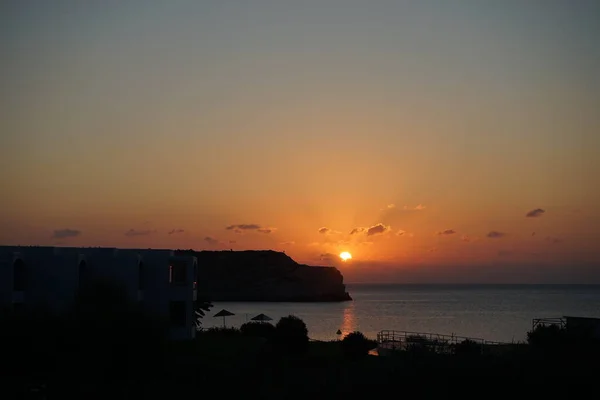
[560,322]
[439,343]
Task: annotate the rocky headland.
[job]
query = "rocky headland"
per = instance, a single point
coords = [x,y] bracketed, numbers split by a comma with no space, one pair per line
[257,275]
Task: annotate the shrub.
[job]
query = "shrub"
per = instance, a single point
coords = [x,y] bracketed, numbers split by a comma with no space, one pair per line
[467,347]
[546,336]
[258,329]
[220,331]
[356,345]
[291,335]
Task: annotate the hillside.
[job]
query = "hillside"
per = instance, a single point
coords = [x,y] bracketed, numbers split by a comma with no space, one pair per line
[265,276]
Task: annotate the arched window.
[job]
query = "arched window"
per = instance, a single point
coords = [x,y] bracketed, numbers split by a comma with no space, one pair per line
[19,275]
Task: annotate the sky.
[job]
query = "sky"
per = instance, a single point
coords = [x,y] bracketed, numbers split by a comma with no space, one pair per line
[436,141]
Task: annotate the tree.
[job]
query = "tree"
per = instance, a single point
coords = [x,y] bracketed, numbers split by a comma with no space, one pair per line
[291,335]
[201,307]
[356,345]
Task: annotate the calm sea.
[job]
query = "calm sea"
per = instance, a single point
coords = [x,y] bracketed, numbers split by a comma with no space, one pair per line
[491,312]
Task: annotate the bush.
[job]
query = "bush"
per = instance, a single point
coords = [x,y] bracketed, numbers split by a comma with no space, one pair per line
[219,331]
[468,347]
[546,336]
[258,329]
[291,335]
[356,345]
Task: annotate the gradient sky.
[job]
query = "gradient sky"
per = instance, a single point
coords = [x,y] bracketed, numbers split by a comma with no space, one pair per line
[438,124]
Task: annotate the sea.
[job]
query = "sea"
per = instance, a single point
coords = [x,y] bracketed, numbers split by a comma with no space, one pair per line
[502,313]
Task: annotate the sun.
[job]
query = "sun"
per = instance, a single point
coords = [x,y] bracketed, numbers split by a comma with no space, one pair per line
[345,256]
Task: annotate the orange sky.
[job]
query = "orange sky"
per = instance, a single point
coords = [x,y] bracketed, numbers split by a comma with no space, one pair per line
[161,126]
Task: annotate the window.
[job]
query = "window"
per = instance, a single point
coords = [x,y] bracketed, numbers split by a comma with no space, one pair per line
[177,273]
[141,276]
[177,313]
[83,273]
[19,275]
[195,277]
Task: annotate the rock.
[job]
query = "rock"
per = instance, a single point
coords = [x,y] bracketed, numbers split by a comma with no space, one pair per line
[265,276]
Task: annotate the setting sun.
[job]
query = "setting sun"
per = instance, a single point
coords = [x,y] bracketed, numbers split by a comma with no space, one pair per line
[345,256]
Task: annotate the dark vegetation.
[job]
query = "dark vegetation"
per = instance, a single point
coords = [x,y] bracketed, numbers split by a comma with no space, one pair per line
[111,349]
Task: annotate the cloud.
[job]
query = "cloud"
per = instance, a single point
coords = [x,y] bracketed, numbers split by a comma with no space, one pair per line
[357,230]
[495,234]
[378,229]
[240,228]
[328,257]
[465,238]
[211,241]
[389,207]
[288,243]
[232,242]
[535,213]
[553,240]
[175,231]
[243,227]
[135,232]
[327,231]
[419,207]
[447,232]
[66,233]
[400,233]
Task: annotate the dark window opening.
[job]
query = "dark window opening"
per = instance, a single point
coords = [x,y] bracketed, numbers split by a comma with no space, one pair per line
[177,273]
[83,273]
[19,275]
[177,313]
[141,276]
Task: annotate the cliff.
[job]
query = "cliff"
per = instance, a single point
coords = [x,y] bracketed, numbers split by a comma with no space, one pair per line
[265,276]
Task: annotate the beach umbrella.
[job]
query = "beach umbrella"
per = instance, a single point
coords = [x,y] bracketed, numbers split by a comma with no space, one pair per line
[223,313]
[262,318]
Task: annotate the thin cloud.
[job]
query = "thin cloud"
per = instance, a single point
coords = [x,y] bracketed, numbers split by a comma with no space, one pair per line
[135,232]
[553,240]
[327,231]
[400,233]
[243,227]
[465,238]
[495,234]
[232,242]
[240,228]
[538,212]
[447,232]
[288,243]
[175,231]
[357,230]
[389,207]
[419,207]
[66,233]
[211,241]
[327,257]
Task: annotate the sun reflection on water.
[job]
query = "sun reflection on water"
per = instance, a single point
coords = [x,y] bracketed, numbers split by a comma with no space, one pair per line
[349,321]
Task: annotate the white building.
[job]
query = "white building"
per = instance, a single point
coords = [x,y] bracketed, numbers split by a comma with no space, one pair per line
[163,283]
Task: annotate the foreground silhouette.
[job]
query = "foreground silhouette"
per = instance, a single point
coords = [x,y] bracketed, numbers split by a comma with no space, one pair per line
[106,347]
